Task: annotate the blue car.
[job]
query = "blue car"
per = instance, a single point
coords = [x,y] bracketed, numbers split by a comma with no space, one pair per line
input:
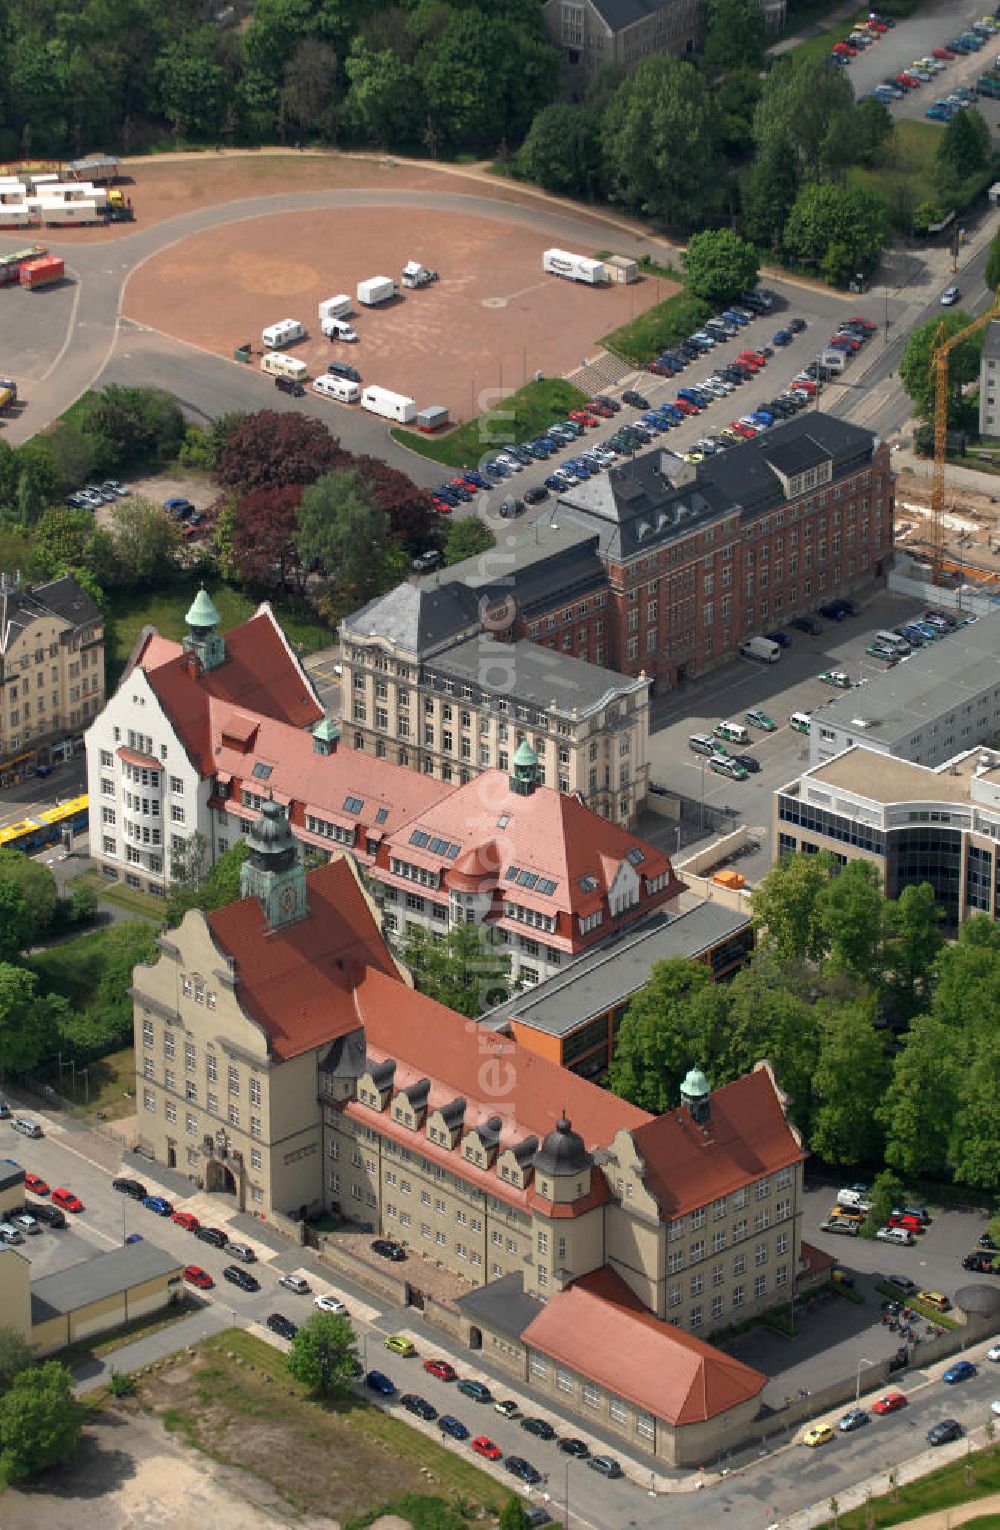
[473,475]
[782,337]
[378,1381]
[159,1204]
[554,483]
[781,638]
[496,469]
[449,1424]
[938,114]
[763,415]
[962,1370]
[735,318]
[134,1238]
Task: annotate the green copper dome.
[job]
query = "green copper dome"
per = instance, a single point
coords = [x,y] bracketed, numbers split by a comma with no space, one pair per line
[202,612]
[525,755]
[695,1083]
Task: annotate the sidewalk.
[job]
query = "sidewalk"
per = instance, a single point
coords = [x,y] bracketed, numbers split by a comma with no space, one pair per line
[943,1519]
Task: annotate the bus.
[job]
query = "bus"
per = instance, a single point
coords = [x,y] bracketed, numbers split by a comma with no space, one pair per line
[10,265]
[33,834]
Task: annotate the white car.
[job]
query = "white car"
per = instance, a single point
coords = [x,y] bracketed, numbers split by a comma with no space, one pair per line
[950,297]
[993,1353]
[330,1304]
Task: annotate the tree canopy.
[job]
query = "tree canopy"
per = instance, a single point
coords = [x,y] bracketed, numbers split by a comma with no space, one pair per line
[469,969]
[40,1421]
[916,366]
[720,265]
[660,143]
[324,1354]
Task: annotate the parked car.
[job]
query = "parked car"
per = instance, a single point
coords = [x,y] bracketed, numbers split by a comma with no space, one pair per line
[891,1402]
[806,624]
[523,1470]
[386,1248]
[399,1344]
[419,1405]
[819,1434]
[962,1370]
[947,1429]
[484,1446]
[539,1427]
[637,400]
[452,1426]
[35,1184]
[158,1204]
[950,296]
[216,1236]
[196,1276]
[294,1283]
[477,1390]
[282,1326]
[572,1446]
[50,1215]
[606,1465]
[238,1276]
[442,1369]
[66,1200]
[378,1381]
[854,1418]
[328,1303]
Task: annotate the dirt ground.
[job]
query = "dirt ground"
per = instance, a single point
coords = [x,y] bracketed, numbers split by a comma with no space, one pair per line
[971,526]
[492,320]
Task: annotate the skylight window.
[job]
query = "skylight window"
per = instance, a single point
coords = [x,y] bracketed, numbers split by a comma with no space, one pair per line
[262,771]
[546,886]
[527,879]
[513,872]
[635,856]
[439,846]
[382,815]
[503,820]
[452,852]
[588,883]
[353,804]
[420,838]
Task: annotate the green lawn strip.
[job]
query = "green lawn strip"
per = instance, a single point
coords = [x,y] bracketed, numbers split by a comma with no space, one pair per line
[105,1091]
[72,968]
[518,417]
[128,1333]
[659,327]
[143,905]
[942,1489]
[349,1427]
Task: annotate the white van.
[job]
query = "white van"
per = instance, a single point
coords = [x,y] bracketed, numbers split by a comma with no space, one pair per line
[285,332]
[338,329]
[339,388]
[733,733]
[799,721]
[834,361]
[854,1200]
[276,365]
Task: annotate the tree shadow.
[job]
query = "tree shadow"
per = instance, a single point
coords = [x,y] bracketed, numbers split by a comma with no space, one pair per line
[94,1471]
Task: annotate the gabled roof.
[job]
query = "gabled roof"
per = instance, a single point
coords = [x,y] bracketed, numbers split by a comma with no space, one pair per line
[298,981]
[746,1136]
[23,604]
[259,673]
[634,1355]
[619,14]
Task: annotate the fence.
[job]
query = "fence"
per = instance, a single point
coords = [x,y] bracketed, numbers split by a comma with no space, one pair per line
[901,582]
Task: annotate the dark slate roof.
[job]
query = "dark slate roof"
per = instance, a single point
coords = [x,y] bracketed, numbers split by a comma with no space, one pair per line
[645,502]
[534,676]
[25,603]
[11,1174]
[502,1305]
[991,344]
[100,1276]
[417,617]
[619,14]
[525,572]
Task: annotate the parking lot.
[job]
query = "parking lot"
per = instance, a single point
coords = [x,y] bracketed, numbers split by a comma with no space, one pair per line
[915,39]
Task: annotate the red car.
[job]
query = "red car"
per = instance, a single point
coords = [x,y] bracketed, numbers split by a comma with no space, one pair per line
[852,340]
[196,1276]
[684,406]
[876,26]
[908,81]
[845,49]
[750,361]
[440,505]
[187,1221]
[600,409]
[890,1403]
[863,323]
[804,385]
[742,430]
[67,1200]
[942,53]
[583,417]
[442,1369]
[912,1224]
[483,1446]
[36,1185]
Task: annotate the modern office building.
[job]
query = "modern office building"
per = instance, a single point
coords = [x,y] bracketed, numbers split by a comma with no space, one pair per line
[915,824]
[51,672]
[282,1056]
[945,698]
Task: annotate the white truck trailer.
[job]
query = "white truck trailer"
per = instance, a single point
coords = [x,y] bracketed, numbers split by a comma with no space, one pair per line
[391,406]
[416,275]
[285,332]
[335,308]
[58,214]
[575,268]
[375,290]
[761,648]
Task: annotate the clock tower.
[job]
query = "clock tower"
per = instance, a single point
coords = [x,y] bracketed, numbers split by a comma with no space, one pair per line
[273,872]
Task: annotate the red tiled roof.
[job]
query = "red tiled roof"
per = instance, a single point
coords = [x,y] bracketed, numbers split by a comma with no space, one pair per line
[259,673]
[814,1260]
[298,981]
[627,1350]
[747,1136]
[493,1073]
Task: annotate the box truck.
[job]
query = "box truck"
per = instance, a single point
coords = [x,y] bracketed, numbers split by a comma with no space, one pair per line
[338,329]
[376,289]
[335,308]
[339,388]
[416,275]
[285,332]
[576,268]
[834,361]
[761,648]
[42,273]
[392,406]
[277,365]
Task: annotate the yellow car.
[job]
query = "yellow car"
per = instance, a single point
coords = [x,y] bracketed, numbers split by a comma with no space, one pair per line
[934,1299]
[400,1345]
[819,1434]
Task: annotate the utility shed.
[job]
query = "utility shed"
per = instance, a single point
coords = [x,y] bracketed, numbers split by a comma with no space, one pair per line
[434,417]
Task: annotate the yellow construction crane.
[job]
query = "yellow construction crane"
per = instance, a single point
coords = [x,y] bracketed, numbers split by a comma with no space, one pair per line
[939,364]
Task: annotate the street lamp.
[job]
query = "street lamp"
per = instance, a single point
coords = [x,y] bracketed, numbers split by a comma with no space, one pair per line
[857,1385]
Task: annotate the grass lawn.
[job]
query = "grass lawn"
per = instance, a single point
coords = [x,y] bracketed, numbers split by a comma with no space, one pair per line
[974,1476]
[73,968]
[518,417]
[142,905]
[234,1400]
[165,609]
[659,327]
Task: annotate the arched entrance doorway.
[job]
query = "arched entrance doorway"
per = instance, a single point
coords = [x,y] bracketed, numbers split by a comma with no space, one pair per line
[219,1177]
[475,1338]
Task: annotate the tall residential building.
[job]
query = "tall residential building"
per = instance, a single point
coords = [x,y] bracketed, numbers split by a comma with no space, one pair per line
[51,672]
[989,382]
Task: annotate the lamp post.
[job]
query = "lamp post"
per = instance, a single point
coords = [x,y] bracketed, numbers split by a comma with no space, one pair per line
[857,1384]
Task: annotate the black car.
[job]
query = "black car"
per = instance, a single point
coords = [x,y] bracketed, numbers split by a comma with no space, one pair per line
[133,1188]
[981,1262]
[573,1447]
[806,624]
[539,1427]
[240,1277]
[522,1470]
[796,326]
[43,1212]
[289,385]
[903,1283]
[536,495]
[420,1406]
[608,402]
[986,1241]
[749,762]
[833,611]
[387,1249]
[637,400]
[941,1433]
[281,1325]
[213,1235]
[341,369]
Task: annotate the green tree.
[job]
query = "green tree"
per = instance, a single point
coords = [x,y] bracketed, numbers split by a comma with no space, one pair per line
[324,1354]
[562,151]
[886,1192]
[342,533]
[991,275]
[850,1082]
[16,1355]
[836,230]
[466,538]
[307,102]
[15,921]
[192,89]
[38,886]
[916,366]
[485,77]
[787,912]
[964,148]
[912,940]
[768,1018]
[40,1422]
[921,1100]
[136,425]
[59,539]
[734,37]
[385,104]
[974,1148]
[672,1024]
[720,265]
[805,106]
[196,885]
[469,970]
[850,911]
[770,192]
[659,134]
[512,1514]
[145,541]
[736,98]
[105,1022]
[29,1020]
